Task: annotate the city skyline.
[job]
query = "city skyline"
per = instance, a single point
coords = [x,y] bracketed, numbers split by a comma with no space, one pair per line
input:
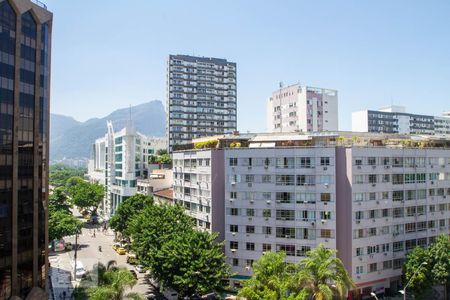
[373,54]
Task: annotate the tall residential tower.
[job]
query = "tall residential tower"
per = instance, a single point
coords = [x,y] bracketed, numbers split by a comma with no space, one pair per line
[25,38]
[201,98]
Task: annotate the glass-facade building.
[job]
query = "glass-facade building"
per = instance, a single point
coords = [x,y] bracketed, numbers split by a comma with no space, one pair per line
[25,36]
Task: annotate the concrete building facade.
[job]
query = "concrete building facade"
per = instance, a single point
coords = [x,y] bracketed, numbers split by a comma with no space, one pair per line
[372,197]
[25,43]
[119,159]
[394,119]
[298,108]
[201,98]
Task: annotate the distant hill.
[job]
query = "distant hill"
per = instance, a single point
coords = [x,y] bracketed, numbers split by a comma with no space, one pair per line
[72,139]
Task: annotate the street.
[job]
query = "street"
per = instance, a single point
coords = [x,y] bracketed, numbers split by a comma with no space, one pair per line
[89,255]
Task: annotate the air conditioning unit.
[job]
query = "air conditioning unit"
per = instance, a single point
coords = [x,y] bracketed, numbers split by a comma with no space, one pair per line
[231,200]
[326,185]
[266,167]
[358,222]
[247,235]
[432,182]
[359,167]
[233,183]
[249,184]
[371,255]
[386,167]
[249,167]
[373,167]
[325,168]
[268,201]
[313,223]
[374,184]
[278,201]
[360,258]
[233,233]
[385,253]
[233,250]
[252,201]
[378,202]
[250,218]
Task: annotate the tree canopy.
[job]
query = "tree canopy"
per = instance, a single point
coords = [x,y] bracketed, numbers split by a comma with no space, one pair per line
[435,272]
[85,194]
[319,276]
[61,224]
[59,174]
[128,209]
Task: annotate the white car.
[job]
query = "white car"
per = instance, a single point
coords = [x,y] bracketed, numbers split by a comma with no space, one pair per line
[80,271]
[140,268]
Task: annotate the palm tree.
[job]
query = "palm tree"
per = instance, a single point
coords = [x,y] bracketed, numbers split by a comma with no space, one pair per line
[108,282]
[321,275]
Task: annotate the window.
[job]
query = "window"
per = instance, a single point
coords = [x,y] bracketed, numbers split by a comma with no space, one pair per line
[306,180]
[267,213]
[284,197]
[266,179]
[397,196]
[324,161]
[266,247]
[233,195]
[250,212]
[234,245]
[373,249]
[359,215]
[306,162]
[372,267]
[306,198]
[371,161]
[372,178]
[288,215]
[410,178]
[387,264]
[359,179]
[249,229]
[398,263]
[234,228]
[289,249]
[421,226]
[325,197]
[267,230]
[325,215]
[411,211]
[325,233]
[371,231]
[358,161]
[410,227]
[249,178]
[302,250]
[410,244]
[397,212]
[359,251]
[233,161]
[285,232]
[284,180]
[397,178]
[250,246]
[359,269]
[234,211]
[397,246]
[235,262]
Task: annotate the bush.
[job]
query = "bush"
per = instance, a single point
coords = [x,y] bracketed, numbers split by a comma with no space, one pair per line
[206,144]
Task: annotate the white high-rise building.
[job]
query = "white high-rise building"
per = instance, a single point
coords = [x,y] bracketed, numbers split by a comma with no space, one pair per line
[298,108]
[119,159]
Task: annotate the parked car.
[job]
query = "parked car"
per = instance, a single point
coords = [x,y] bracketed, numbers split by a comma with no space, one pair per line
[140,268]
[115,246]
[132,259]
[121,251]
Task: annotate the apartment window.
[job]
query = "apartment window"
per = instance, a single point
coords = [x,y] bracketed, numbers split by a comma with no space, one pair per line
[325,215]
[397,246]
[410,178]
[385,213]
[397,195]
[385,247]
[249,178]
[421,226]
[324,161]
[233,195]
[373,249]
[285,180]
[398,263]
[285,232]
[421,178]
[359,196]
[250,212]
[325,233]
[387,264]
[410,227]
[234,211]
[267,213]
[267,230]
[306,198]
[411,211]
[306,180]
[266,247]
[372,231]
[359,179]
[397,212]
[432,208]
[325,197]
[285,162]
[359,251]
[284,197]
[371,161]
[306,162]
[289,249]
[233,161]
[288,215]
[302,250]
[235,262]
[385,178]
[358,161]
[249,229]
[359,215]
[397,178]
[372,267]
[422,242]
[266,178]
[397,161]
[234,228]
[410,244]
[411,195]
[359,269]
[234,245]
[385,161]
[250,246]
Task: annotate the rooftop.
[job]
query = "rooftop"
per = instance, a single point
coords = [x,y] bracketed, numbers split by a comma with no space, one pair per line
[166,193]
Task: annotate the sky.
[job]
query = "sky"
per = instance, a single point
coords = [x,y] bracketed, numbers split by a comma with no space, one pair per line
[110,54]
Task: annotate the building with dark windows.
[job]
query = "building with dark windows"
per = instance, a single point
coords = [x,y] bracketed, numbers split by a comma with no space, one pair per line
[395,119]
[201,98]
[25,37]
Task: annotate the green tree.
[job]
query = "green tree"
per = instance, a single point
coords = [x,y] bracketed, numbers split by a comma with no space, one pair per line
[164,159]
[61,224]
[58,201]
[107,282]
[155,226]
[270,279]
[162,152]
[439,254]
[85,194]
[420,283]
[192,263]
[128,209]
[322,275]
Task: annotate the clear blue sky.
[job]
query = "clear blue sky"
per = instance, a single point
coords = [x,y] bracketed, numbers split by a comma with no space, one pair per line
[109,54]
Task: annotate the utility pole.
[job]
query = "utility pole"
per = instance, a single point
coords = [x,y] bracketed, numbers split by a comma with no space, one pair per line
[75,257]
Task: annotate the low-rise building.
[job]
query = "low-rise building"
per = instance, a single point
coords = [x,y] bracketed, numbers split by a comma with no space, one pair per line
[163,196]
[157,180]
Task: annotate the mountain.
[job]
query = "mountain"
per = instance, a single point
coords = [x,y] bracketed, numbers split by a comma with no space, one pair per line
[72,139]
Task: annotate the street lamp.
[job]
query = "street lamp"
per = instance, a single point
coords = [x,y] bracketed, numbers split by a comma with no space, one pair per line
[374,295]
[403,292]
